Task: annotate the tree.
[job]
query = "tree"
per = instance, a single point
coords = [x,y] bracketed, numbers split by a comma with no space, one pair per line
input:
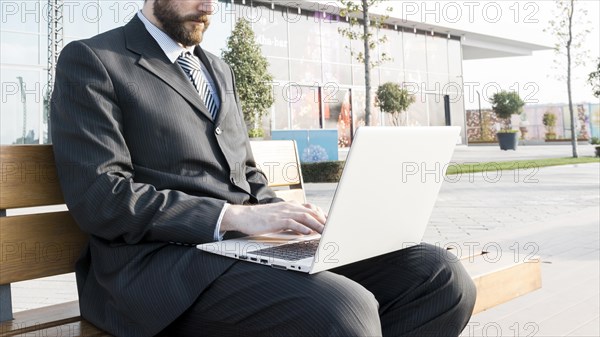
[568,41]
[358,16]
[505,104]
[393,99]
[253,80]
[594,80]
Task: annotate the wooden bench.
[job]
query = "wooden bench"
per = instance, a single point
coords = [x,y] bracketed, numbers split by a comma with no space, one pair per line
[48,243]
[36,245]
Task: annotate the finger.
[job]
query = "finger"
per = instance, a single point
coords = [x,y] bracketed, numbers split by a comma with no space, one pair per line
[320,210]
[317,212]
[309,220]
[297,217]
[298,227]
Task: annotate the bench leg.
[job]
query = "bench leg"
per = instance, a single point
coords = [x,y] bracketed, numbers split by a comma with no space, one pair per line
[5,303]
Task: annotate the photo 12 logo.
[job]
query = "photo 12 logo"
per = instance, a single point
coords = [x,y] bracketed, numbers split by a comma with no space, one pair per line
[452,172]
[469,11]
[495,329]
[72,11]
[471,92]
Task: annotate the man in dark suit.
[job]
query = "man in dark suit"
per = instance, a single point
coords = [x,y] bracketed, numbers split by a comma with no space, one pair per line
[153,158]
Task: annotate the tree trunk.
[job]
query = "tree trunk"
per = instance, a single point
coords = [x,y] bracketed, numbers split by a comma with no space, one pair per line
[571,112]
[366,26]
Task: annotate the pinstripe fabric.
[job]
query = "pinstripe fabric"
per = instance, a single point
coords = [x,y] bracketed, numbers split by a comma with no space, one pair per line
[191,65]
[141,164]
[417,292]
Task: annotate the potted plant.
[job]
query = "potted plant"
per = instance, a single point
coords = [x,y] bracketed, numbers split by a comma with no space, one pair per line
[252,77]
[549,121]
[596,141]
[505,104]
[394,100]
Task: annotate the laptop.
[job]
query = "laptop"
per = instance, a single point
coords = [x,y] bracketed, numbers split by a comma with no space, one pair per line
[382,203]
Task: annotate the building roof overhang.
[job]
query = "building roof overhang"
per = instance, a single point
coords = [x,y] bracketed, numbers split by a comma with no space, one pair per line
[481,46]
[474,45]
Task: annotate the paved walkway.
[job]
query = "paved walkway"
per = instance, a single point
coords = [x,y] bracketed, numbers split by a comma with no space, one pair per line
[488,153]
[493,153]
[553,212]
[476,205]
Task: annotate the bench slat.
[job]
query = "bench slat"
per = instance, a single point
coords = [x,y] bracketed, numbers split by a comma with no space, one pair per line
[292,195]
[28,177]
[278,160]
[81,328]
[38,245]
[54,320]
[37,319]
[499,280]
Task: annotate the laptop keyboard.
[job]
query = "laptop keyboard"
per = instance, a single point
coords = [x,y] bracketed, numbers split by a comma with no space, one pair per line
[291,252]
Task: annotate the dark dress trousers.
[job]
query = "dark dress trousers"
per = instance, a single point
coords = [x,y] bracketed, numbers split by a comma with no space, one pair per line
[142,165]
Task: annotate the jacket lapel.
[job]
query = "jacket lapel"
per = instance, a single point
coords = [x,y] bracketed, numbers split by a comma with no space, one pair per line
[153,59]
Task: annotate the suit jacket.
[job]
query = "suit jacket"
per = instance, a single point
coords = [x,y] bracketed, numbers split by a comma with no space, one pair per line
[143,166]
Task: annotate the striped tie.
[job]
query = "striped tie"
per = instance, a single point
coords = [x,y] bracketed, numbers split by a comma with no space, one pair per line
[191,65]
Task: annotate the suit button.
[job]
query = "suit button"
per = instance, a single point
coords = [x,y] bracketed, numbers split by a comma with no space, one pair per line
[218,131]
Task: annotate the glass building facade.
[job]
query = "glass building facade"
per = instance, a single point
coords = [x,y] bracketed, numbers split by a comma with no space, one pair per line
[318,84]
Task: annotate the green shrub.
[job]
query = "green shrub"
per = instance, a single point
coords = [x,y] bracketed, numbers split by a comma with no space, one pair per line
[393,99]
[322,172]
[256,133]
[595,141]
[505,104]
[549,121]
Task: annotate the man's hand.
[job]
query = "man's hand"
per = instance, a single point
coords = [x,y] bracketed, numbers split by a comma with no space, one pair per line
[270,218]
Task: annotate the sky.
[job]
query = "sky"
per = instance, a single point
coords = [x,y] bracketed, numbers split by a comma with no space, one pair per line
[534,77]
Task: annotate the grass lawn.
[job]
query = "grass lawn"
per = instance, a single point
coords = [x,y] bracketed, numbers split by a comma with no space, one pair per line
[517,164]
[330,172]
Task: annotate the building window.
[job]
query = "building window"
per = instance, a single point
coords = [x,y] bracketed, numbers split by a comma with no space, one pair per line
[305,107]
[337,113]
[22,106]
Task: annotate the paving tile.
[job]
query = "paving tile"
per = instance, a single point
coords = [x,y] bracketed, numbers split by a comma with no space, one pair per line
[590,328]
[563,284]
[562,322]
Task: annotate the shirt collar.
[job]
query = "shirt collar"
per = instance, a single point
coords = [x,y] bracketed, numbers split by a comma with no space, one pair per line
[171,48]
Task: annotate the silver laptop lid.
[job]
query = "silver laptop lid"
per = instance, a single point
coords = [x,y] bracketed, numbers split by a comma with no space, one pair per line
[386,194]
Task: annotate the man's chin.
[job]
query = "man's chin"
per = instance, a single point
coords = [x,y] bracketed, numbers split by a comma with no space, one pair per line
[190,39]
[195,36]
[198,37]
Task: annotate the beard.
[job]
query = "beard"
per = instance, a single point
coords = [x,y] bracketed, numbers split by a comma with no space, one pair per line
[174,24]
